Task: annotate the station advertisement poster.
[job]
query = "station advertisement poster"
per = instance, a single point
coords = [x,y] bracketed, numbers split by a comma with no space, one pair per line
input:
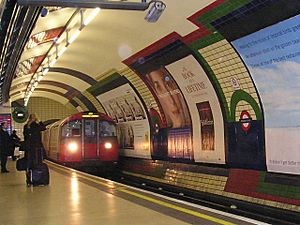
[207,126]
[126,109]
[205,111]
[7,119]
[272,56]
[176,114]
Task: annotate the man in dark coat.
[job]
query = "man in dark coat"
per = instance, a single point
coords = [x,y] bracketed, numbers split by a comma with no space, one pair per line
[33,143]
[14,141]
[4,146]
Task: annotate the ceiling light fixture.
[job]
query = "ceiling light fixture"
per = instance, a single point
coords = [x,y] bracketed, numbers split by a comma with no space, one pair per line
[92,15]
[59,46]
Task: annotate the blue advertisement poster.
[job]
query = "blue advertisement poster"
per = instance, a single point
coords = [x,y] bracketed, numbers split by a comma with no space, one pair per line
[272,56]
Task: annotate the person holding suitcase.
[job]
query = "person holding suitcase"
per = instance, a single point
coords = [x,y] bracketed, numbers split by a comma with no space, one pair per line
[14,141]
[34,146]
[4,146]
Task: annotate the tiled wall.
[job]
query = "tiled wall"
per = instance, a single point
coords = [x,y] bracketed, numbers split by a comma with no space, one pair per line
[105,75]
[48,109]
[227,65]
[141,88]
[94,101]
[82,106]
[245,185]
[45,109]
[241,106]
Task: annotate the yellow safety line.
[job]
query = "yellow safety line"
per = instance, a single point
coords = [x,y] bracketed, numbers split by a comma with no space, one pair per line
[83,176]
[168,205]
[178,208]
[96,181]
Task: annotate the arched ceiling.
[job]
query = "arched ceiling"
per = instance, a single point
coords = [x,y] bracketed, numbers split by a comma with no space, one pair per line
[102,45]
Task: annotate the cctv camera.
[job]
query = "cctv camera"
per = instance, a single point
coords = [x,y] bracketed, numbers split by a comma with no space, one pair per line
[155,11]
[44,12]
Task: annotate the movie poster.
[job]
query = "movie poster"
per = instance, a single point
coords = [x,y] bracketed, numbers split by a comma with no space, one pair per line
[206,115]
[170,97]
[207,126]
[133,131]
[176,113]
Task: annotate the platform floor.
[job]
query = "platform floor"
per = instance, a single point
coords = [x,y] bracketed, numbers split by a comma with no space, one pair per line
[80,199]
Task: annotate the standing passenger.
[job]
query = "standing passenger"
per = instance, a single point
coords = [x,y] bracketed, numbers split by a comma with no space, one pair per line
[33,143]
[14,141]
[4,146]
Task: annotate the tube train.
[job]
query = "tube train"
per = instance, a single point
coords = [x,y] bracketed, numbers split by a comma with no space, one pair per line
[83,139]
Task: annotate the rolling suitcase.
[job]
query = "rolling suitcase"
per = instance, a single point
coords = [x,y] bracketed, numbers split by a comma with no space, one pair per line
[40,170]
[40,175]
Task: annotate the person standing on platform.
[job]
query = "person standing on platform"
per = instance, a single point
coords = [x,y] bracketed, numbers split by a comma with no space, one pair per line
[33,143]
[4,146]
[14,142]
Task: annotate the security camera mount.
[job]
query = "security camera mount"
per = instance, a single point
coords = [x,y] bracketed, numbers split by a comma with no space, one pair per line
[103,4]
[155,11]
[152,16]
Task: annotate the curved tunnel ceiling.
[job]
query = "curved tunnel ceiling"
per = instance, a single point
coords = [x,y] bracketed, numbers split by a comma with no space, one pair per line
[71,81]
[102,45]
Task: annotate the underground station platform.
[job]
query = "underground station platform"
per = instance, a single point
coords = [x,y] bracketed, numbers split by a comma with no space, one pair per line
[78,198]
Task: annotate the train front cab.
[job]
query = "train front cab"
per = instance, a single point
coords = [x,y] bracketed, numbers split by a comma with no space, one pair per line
[87,140]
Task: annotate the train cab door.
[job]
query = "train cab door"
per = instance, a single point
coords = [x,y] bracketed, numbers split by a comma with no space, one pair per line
[90,143]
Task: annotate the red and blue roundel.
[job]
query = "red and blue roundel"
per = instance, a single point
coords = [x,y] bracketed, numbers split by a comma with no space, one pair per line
[245,119]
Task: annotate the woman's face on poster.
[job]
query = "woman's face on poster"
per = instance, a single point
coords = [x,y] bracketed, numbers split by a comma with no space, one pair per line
[169,96]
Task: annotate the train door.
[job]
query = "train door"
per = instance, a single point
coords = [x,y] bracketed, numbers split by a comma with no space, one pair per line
[90,143]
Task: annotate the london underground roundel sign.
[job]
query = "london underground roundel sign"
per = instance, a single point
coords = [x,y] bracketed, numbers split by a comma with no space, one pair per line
[20,114]
[245,119]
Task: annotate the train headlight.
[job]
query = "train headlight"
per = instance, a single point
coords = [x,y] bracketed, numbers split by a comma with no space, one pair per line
[108,145]
[72,146]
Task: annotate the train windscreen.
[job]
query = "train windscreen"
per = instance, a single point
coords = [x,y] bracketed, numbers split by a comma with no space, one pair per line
[71,129]
[107,129]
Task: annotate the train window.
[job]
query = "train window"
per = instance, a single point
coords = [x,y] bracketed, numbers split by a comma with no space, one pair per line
[71,129]
[75,132]
[107,129]
[89,128]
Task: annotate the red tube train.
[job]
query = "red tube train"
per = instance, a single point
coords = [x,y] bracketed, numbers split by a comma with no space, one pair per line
[83,139]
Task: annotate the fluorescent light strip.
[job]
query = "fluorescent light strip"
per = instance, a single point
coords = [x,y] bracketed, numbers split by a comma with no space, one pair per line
[52,63]
[45,71]
[74,36]
[40,77]
[61,51]
[91,16]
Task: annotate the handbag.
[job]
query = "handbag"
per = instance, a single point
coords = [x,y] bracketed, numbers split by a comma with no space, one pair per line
[22,146]
[21,164]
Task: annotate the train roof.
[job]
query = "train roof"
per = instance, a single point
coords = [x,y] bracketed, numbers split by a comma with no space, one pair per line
[80,115]
[91,115]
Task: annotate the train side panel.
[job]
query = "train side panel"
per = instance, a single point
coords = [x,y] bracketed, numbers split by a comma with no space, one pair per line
[46,139]
[54,150]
